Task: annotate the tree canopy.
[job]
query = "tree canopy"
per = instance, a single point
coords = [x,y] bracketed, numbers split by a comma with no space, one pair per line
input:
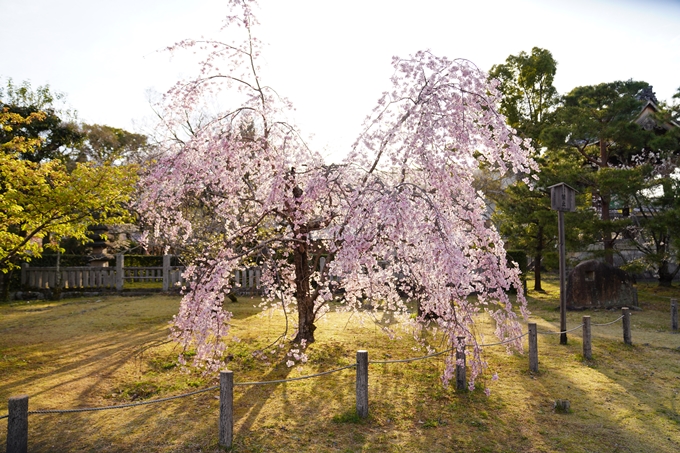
[599,123]
[43,196]
[529,99]
[653,193]
[526,81]
[56,129]
[106,144]
[614,142]
[399,217]
[675,107]
[527,222]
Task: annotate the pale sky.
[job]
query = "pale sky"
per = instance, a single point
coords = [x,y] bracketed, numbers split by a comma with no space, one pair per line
[331,58]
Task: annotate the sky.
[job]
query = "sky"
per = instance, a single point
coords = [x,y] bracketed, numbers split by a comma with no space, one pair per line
[330,58]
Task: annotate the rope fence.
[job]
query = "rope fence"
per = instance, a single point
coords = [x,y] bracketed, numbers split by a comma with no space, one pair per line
[121,406]
[609,323]
[413,359]
[300,378]
[429,356]
[17,432]
[506,341]
[560,333]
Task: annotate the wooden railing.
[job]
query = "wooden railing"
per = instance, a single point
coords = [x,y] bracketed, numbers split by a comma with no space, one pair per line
[86,277]
[68,277]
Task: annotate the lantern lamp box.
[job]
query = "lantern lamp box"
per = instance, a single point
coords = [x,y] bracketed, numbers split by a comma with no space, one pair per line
[562,197]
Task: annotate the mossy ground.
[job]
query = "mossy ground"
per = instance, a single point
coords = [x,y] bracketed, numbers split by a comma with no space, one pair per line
[114,350]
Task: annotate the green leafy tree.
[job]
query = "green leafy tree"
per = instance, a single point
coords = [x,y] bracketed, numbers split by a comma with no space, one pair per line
[655,227]
[106,144]
[526,81]
[44,200]
[56,128]
[598,123]
[652,190]
[675,108]
[529,97]
[527,221]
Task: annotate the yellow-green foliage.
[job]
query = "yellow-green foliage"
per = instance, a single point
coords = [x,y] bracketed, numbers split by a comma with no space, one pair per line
[41,199]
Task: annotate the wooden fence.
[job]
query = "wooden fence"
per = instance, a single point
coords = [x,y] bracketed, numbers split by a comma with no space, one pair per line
[247,281]
[87,277]
[68,277]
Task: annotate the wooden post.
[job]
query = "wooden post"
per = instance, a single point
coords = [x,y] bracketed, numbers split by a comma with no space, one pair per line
[626,325]
[166,272]
[674,315]
[24,273]
[563,278]
[461,380]
[362,384]
[258,276]
[17,425]
[562,199]
[587,345]
[120,259]
[51,279]
[226,408]
[533,348]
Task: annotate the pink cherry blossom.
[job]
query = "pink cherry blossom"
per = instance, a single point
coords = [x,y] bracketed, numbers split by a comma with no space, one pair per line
[398,220]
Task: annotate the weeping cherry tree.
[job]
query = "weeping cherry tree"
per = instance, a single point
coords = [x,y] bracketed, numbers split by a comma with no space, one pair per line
[397,221]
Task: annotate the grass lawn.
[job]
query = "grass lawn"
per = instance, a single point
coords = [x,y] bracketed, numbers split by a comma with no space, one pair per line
[114,350]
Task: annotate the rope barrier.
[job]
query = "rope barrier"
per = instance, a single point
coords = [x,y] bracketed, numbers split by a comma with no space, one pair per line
[381,362]
[121,406]
[504,341]
[280,381]
[161,400]
[608,323]
[581,325]
[558,333]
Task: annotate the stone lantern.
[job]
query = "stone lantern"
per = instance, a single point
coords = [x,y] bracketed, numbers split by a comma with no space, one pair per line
[99,257]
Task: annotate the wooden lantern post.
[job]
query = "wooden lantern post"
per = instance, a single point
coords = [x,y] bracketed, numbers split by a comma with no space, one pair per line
[562,199]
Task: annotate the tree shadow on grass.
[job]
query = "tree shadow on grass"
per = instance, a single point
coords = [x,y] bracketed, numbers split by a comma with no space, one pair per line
[249,400]
[612,409]
[55,355]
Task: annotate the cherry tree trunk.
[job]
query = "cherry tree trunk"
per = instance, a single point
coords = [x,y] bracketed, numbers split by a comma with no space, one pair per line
[305,304]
